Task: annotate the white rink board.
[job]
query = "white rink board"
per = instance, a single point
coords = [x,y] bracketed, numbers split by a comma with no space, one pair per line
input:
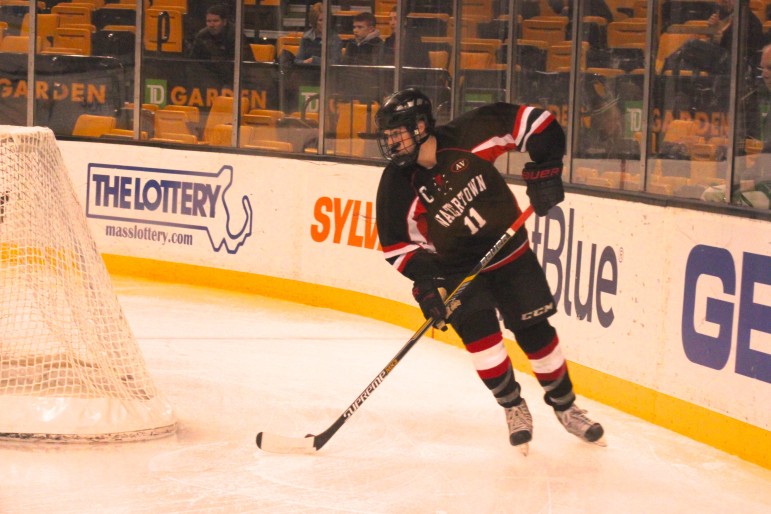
[302,229]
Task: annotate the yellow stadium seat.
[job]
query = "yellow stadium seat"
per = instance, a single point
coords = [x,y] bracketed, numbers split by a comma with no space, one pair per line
[551,31]
[263,53]
[91,125]
[354,119]
[75,39]
[267,144]
[46,26]
[170,36]
[439,58]
[72,14]
[15,44]
[292,41]
[475,60]
[166,5]
[193,113]
[668,44]
[625,34]
[221,113]
[171,137]
[558,56]
[171,122]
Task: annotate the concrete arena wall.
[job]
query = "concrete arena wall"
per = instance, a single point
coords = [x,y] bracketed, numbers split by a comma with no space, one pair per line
[663,312]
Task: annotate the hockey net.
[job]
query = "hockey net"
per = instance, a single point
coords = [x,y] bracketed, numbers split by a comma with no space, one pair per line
[70,367]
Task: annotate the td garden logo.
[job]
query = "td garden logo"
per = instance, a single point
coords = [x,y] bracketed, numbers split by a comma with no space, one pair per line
[170,198]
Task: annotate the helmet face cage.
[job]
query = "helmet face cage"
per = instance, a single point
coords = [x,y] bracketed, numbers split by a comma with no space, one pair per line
[399,137]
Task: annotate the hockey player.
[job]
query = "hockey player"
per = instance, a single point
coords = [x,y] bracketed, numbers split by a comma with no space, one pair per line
[441,205]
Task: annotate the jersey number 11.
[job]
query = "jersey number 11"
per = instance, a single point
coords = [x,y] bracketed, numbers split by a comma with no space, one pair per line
[474,221]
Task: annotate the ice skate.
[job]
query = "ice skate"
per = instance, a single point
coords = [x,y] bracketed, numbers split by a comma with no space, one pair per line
[575,421]
[520,424]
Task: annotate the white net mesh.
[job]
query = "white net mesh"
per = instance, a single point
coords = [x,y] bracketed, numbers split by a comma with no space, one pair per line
[70,367]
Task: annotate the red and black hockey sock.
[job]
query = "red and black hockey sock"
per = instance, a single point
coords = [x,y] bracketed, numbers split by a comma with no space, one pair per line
[490,357]
[541,344]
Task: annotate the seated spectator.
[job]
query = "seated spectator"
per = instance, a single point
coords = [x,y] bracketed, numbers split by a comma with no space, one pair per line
[764,100]
[310,44]
[366,47]
[416,56]
[714,56]
[216,41]
[593,8]
[602,131]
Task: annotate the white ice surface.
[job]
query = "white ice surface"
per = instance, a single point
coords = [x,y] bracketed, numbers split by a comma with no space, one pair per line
[430,440]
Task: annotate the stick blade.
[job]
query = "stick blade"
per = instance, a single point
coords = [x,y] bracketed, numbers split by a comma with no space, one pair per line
[275,443]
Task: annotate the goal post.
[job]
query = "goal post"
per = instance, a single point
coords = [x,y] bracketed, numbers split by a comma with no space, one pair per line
[70,367]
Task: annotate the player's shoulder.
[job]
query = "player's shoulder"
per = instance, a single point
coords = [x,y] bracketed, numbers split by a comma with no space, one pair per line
[486,113]
[394,177]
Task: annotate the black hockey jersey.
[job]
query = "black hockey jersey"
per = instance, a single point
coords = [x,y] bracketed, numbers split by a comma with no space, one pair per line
[441,221]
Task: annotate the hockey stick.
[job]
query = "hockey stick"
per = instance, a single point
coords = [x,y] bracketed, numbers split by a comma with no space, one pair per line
[311,443]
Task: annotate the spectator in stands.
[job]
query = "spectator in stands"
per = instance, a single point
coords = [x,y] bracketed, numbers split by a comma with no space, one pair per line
[601,134]
[366,47]
[417,54]
[722,21]
[714,56]
[756,105]
[216,41]
[310,44]
[593,8]
[764,98]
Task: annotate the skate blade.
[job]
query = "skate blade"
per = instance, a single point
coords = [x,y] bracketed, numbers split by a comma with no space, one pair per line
[524,448]
[601,442]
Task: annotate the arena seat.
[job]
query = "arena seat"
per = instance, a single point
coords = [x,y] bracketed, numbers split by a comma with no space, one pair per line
[558,56]
[581,174]
[115,14]
[221,113]
[72,38]
[475,60]
[172,122]
[384,6]
[266,144]
[354,120]
[622,34]
[91,125]
[668,44]
[551,31]
[259,128]
[46,26]
[171,137]
[263,52]
[439,58]
[273,114]
[73,14]
[114,43]
[175,5]
[164,31]
[291,41]
[192,112]
[15,44]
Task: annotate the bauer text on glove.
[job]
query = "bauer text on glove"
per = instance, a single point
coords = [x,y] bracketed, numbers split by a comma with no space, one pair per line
[544,185]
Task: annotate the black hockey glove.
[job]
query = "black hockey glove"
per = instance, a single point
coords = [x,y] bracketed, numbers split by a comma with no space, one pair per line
[430,296]
[544,185]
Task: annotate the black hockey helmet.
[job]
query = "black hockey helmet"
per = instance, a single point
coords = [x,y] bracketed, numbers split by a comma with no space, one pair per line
[404,109]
